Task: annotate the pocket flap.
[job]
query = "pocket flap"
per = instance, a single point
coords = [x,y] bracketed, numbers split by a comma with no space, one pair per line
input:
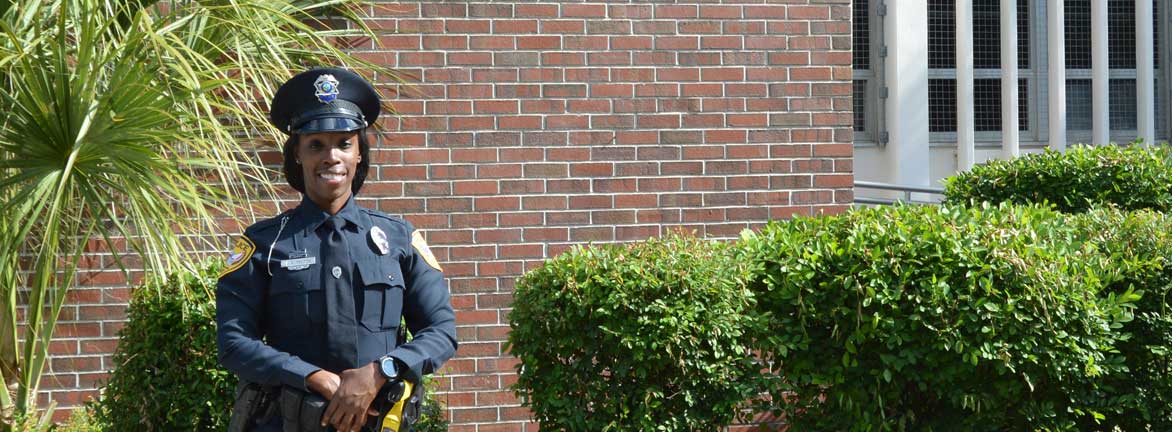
[380,272]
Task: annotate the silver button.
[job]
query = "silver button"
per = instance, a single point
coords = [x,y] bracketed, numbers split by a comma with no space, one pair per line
[337,271]
[391,277]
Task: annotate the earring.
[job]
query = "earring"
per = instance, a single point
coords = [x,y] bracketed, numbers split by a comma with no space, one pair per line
[298,161]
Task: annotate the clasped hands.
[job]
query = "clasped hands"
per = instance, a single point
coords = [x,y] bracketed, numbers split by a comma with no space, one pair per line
[350,394]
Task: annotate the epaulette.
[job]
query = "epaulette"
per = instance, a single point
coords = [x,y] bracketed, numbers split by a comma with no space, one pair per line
[382,215]
[268,223]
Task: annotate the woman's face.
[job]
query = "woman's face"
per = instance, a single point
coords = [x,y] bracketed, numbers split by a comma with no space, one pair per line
[328,163]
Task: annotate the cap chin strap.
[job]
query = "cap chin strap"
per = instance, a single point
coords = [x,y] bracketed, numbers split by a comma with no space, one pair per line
[338,108]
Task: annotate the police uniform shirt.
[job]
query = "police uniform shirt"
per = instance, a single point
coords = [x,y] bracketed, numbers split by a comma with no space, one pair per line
[271,308]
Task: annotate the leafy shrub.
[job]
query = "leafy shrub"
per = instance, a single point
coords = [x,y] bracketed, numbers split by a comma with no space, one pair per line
[1140,245]
[81,419]
[1129,177]
[640,338]
[166,375]
[932,318]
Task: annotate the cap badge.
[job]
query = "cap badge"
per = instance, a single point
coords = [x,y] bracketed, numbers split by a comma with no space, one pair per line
[326,88]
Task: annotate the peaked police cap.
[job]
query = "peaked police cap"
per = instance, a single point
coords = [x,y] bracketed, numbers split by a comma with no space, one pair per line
[324,100]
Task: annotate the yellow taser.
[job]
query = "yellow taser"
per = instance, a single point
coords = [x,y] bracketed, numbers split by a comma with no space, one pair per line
[394,418]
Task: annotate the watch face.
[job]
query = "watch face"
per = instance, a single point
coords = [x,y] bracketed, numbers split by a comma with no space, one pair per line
[388,367]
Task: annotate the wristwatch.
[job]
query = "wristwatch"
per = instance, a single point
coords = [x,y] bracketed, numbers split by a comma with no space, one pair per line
[389,367]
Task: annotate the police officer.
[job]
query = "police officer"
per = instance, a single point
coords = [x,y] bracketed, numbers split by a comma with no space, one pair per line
[312,299]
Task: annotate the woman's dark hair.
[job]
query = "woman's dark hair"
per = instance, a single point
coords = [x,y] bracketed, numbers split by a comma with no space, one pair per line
[293,171]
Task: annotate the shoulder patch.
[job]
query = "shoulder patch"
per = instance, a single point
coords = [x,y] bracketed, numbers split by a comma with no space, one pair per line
[423,250]
[242,250]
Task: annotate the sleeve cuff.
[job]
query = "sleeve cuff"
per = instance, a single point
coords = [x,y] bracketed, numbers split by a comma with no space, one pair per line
[414,363]
[295,373]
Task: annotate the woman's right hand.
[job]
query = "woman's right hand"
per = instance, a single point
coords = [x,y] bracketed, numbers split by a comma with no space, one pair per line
[324,382]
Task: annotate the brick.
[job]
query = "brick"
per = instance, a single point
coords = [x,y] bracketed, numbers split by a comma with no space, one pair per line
[519,122]
[609,58]
[596,74]
[699,27]
[497,203]
[563,90]
[492,42]
[518,26]
[537,234]
[630,11]
[567,122]
[475,187]
[543,138]
[592,234]
[626,233]
[591,138]
[568,154]
[444,10]
[436,42]
[703,184]
[420,26]
[563,26]
[563,59]
[521,154]
[608,27]
[677,43]
[583,11]
[496,106]
[676,12]
[520,58]
[699,58]
[721,12]
[567,218]
[490,10]
[536,10]
[538,42]
[630,42]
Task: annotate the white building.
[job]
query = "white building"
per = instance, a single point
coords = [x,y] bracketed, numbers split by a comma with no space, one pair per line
[929,99]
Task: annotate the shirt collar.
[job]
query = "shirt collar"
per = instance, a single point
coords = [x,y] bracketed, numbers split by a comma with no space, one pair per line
[314,216]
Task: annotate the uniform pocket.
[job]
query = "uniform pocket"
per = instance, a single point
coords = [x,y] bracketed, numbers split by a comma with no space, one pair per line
[296,294]
[382,290]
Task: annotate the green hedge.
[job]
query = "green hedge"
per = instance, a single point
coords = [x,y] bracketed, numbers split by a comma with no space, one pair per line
[1129,177]
[897,318]
[166,375]
[639,338]
[933,318]
[1140,245]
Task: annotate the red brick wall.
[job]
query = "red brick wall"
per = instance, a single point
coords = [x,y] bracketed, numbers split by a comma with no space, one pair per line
[526,128]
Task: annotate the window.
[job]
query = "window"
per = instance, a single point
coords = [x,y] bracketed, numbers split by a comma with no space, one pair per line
[865,77]
[1121,61]
[942,98]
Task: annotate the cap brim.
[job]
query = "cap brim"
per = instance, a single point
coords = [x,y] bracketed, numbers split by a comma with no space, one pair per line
[329,124]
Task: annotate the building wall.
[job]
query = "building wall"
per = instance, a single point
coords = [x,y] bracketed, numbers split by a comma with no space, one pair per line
[527,127]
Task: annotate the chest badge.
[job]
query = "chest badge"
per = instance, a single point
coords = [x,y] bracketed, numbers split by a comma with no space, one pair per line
[379,238]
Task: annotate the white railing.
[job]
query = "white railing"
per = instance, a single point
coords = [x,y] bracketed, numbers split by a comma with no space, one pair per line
[905,191]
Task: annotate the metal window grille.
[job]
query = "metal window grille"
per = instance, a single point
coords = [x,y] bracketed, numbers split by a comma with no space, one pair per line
[1121,34]
[1121,104]
[1078,104]
[861,37]
[942,114]
[941,34]
[942,105]
[987,105]
[860,102]
[986,34]
[1078,34]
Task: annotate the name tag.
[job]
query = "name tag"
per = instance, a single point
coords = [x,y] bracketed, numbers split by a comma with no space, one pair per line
[299,263]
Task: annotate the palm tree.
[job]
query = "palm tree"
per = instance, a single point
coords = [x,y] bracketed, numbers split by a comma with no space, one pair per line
[121,125]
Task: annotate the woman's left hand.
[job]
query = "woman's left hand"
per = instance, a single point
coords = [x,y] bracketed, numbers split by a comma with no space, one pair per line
[351,402]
